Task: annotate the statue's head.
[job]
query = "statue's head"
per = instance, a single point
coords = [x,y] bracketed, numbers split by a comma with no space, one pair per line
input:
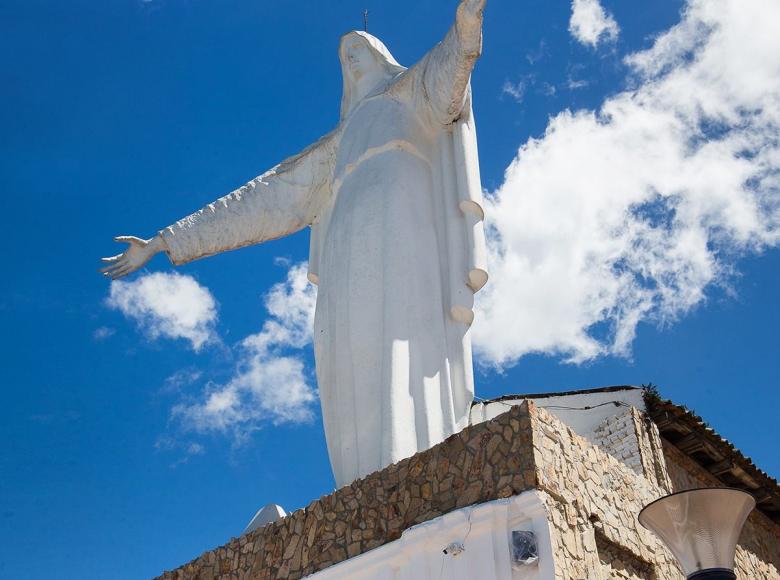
[365,62]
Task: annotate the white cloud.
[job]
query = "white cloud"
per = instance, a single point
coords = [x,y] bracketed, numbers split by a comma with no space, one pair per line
[195,449]
[103,333]
[535,56]
[573,84]
[169,305]
[590,24]
[185,450]
[181,379]
[517,91]
[630,213]
[514,90]
[270,385]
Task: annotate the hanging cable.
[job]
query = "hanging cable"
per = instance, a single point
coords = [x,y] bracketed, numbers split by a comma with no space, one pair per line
[560,407]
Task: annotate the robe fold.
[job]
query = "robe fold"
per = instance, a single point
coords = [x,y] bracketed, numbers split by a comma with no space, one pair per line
[394,200]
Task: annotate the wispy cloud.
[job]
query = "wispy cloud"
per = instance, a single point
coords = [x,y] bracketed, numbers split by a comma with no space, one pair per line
[534,56]
[573,84]
[529,82]
[103,333]
[167,305]
[631,212]
[181,379]
[185,450]
[547,89]
[270,385]
[590,24]
[514,90]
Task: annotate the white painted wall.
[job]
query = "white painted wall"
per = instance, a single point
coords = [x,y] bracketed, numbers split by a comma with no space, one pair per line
[583,422]
[485,532]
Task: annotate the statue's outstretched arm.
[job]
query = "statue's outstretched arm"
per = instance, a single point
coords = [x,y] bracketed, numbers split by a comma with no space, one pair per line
[446,70]
[281,201]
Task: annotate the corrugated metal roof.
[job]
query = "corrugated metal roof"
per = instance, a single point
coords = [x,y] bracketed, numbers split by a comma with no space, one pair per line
[694,437]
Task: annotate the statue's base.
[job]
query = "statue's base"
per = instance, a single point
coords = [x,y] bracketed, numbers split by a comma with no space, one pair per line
[572,469]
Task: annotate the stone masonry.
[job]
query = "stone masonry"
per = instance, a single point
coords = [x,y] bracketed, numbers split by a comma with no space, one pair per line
[617,436]
[595,500]
[592,501]
[758,555]
[616,562]
[629,436]
[487,461]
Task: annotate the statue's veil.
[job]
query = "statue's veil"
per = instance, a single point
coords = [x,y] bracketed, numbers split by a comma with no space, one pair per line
[382,56]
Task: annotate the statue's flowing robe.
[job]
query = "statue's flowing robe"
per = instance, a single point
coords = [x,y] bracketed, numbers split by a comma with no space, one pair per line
[397,250]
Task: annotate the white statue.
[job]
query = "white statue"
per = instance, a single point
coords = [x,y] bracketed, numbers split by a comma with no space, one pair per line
[393,199]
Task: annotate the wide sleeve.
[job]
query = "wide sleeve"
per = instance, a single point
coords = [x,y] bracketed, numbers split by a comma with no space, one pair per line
[281,201]
[441,78]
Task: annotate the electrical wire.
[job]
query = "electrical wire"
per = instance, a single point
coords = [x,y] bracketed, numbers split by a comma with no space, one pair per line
[469,530]
[463,543]
[560,407]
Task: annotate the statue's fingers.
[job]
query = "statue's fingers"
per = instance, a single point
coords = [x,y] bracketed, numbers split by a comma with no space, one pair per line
[111,258]
[111,268]
[128,239]
[121,260]
[121,272]
[127,269]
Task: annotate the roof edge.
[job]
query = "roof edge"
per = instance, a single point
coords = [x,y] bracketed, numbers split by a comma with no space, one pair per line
[611,389]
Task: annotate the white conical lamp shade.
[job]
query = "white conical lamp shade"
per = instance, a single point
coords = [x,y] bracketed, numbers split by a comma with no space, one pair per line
[700,526]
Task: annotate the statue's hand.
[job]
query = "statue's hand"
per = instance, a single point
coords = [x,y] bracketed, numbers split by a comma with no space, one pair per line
[468,21]
[138,253]
[471,9]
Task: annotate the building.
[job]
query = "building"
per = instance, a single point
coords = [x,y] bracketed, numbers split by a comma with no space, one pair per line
[538,487]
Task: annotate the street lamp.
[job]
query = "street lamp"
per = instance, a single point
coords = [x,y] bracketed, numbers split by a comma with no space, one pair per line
[701,528]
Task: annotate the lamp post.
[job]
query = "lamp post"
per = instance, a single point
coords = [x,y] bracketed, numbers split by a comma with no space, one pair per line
[701,528]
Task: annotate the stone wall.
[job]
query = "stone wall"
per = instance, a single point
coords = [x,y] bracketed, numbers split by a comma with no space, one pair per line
[591,498]
[630,437]
[591,493]
[594,501]
[484,462]
[617,436]
[651,451]
[758,553]
[617,563]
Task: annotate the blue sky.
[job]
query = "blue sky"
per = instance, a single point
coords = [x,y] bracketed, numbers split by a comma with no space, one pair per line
[634,240]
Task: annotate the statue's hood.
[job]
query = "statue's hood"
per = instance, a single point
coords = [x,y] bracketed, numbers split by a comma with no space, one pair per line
[382,55]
